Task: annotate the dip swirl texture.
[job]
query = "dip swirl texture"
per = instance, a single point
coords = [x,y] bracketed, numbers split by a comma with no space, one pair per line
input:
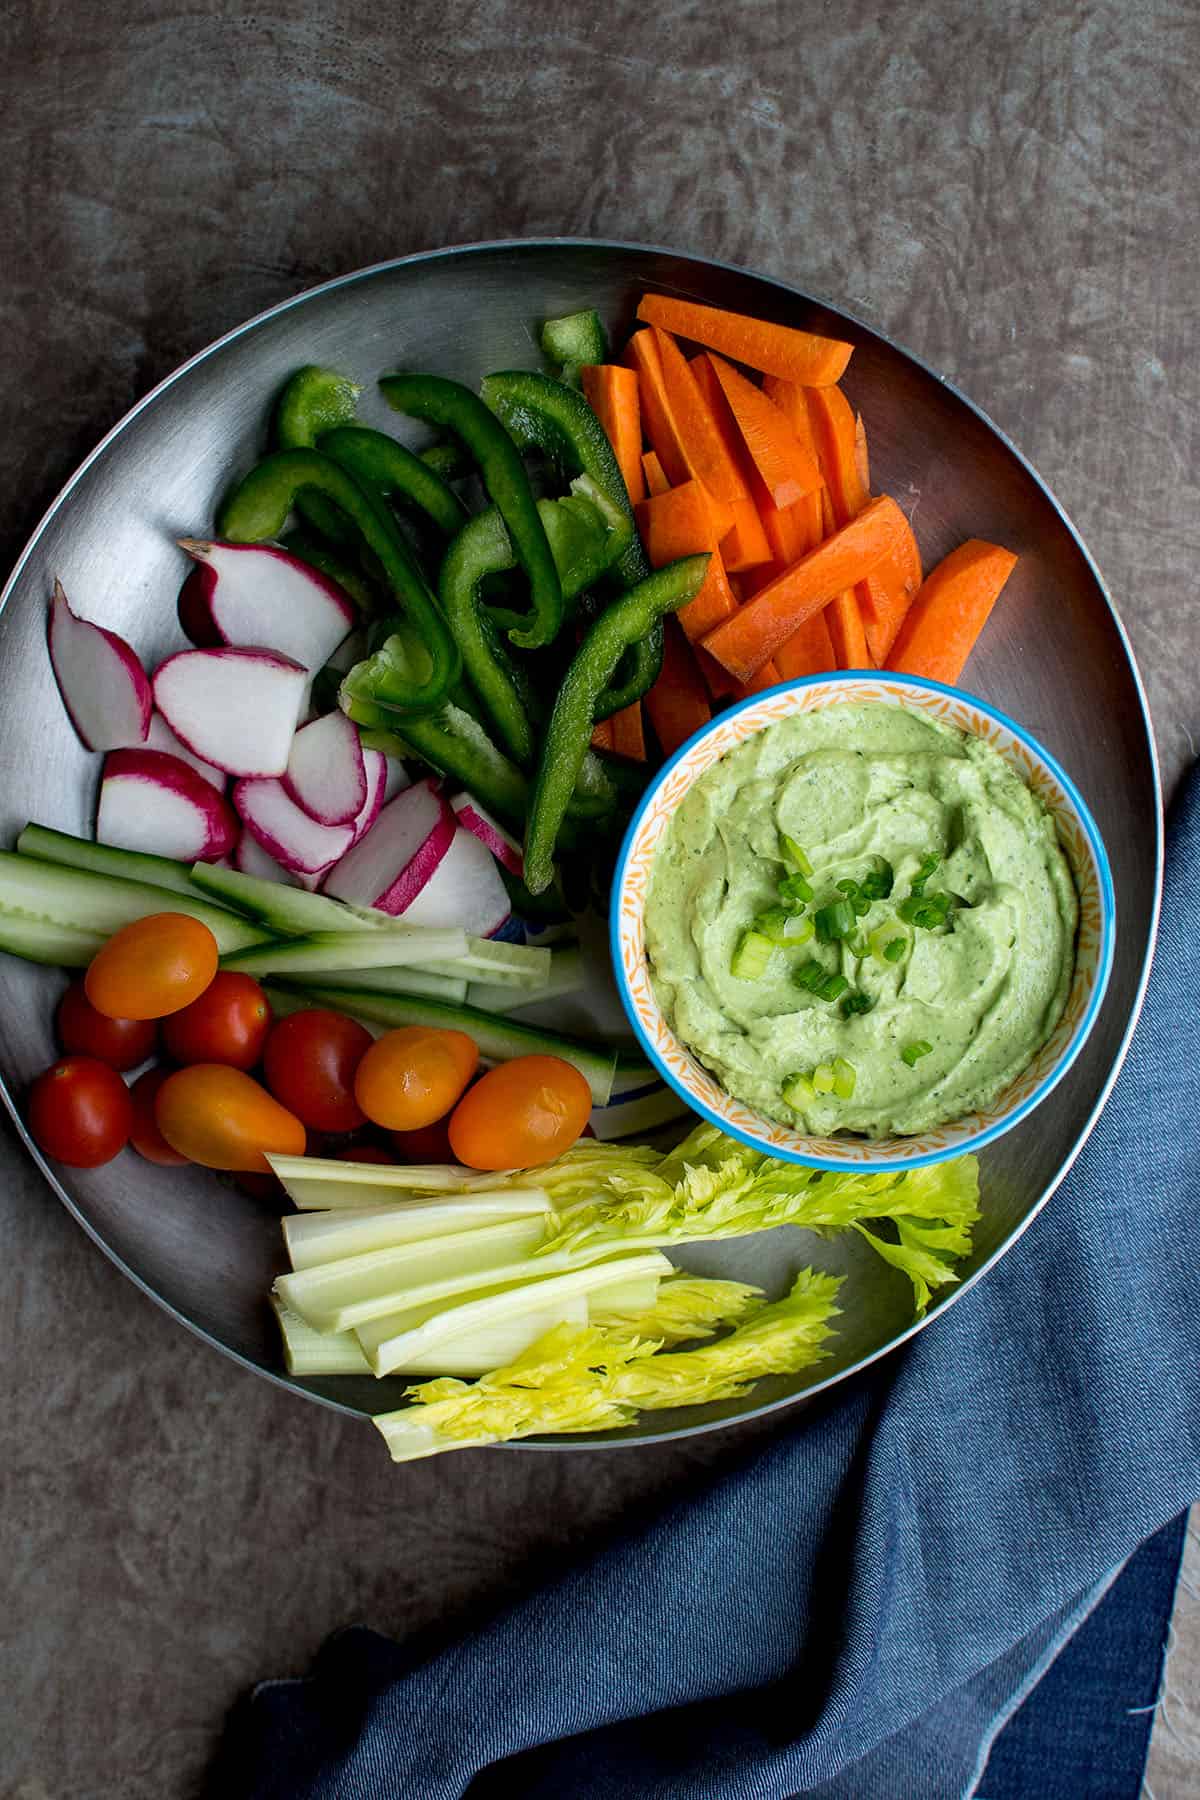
[861,787]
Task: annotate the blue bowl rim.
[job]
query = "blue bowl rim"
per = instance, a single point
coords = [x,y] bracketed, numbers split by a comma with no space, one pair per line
[1104,966]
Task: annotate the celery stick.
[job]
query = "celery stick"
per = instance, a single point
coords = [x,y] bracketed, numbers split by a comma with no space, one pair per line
[391,1343]
[479,1352]
[314,1238]
[309,1352]
[316,1183]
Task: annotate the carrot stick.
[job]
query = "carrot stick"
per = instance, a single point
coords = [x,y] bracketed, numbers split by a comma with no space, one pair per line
[707,458]
[602,735]
[861,455]
[658,421]
[628,738]
[612,393]
[776,349]
[886,595]
[768,676]
[656,481]
[950,611]
[677,704]
[786,467]
[681,522]
[832,418]
[846,631]
[745,641]
[745,545]
[808,651]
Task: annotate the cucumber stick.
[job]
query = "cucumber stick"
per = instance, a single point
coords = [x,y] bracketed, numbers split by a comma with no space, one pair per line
[327,952]
[83,900]
[566,977]
[106,859]
[499,1040]
[287,911]
[40,941]
[407,981]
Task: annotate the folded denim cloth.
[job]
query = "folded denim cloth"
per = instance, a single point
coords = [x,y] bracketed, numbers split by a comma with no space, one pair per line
[853,1614]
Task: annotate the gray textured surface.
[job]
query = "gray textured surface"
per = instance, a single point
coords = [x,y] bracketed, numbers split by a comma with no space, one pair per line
[1012,196]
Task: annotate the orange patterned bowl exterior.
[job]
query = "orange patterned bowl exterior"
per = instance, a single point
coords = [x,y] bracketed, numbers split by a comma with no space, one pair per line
[1080,841]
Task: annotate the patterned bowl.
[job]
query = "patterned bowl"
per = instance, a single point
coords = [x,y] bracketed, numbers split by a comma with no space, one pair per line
[1080,840]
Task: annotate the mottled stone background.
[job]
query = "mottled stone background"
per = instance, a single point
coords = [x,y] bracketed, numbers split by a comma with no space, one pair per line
[1009,189]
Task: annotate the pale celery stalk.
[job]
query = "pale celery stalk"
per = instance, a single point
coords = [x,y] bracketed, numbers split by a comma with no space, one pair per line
[313,1238]
[309,1352]
[476,1352]
[430,1320]
[315,1183]
[340,1294]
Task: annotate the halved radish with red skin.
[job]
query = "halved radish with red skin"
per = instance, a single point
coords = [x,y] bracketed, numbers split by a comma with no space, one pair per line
[376,766]
[161,737]
[251,859]
[235,708]
[399,855]
[326,775]
[479,822]
[257,594]
[464,891]
[285,830]
[398,778]
[104,687]
[195,613]
[156,802]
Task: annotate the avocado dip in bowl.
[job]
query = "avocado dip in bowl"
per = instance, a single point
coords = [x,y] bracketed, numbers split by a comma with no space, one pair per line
[863,920]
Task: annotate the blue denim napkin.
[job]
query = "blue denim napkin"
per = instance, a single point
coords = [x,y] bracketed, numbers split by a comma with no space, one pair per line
[854,1614]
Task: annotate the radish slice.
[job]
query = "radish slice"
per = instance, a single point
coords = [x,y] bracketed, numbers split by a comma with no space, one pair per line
[326,775]
[156,802]
[492,835]
[464,891]
[286,831]
[376,766]
[104,687]
[195,619]
[399,854]
[398,778]
[237,709]
[251,859]
[257,594]
[161,737]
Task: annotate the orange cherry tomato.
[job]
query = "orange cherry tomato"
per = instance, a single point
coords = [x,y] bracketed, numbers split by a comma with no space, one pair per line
[80,1112]
[153,967]
[409,1078]
[228,1023]
[525,1112]
[219,1117]
[82,1031]
[145,1136]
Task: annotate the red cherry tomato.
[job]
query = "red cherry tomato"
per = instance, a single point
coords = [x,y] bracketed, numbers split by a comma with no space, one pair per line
[310,1063]
[80,1112]
[82,1031]
[427,1144]
[145,1136]
[152,967]
[525,1112]
[228,1023]
[412,1076]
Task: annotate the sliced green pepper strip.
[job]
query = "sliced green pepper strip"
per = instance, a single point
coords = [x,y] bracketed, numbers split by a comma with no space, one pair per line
[568,734]
[640,669]
[449,404]
[319,555]
[546,415]
[316,400]
[258,509]
[447,459]
[575,338]
[378,461]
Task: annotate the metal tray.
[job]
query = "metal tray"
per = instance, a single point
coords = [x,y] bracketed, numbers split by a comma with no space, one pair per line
[1054,656]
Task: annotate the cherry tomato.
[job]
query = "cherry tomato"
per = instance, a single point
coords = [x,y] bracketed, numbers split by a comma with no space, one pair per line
[368,1153]
[82,1031]
[427,1144]
[145,1136]
[409,1078]
[219,1117]
[153,967]
[525,1112]
[227,1024]
[309,1065]
[80,1112]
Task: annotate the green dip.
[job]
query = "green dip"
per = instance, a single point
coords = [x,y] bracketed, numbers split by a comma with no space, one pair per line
[865,790]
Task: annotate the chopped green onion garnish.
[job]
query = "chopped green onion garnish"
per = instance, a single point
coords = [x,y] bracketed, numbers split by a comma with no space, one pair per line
[798,1091]
[751,957]
[889,941]
[808,975]
[858,1002]
[878,884]
[848,887]
[928,911]
[893,950]
[794,887]
[834,921]
[912,1053]
[845,1076]
[861,905]
[832,988]
[783,927]
[794,854]
[823,1078]
[928,865]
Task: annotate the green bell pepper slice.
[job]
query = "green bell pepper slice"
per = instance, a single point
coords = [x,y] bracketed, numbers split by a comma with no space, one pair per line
[639,669]
[379,462]
[543,414]
[568,734]
[258,508]
[313,549]
[314,400]
[456,408]
[573,340]
[447,459]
